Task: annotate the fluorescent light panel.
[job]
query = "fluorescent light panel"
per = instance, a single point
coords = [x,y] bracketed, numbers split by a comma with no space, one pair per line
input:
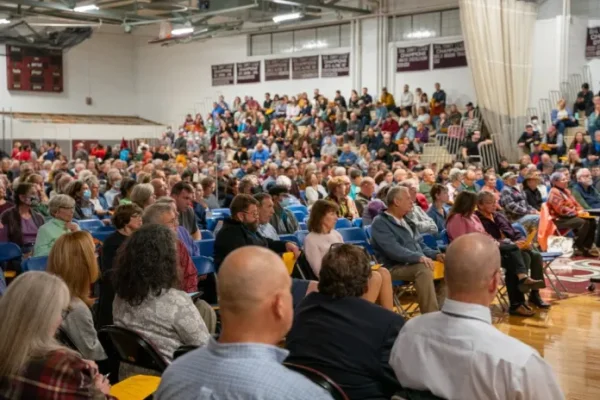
[286,17]
[182,31]
[89,7]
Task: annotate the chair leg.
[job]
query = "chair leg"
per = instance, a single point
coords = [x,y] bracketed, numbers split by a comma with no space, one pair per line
[559,294]
[562,285]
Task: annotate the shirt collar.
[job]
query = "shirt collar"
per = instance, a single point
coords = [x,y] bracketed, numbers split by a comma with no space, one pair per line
[254,351]
[468,310]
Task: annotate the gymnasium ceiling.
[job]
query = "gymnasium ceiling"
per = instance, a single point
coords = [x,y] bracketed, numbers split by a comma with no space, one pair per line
[55,23]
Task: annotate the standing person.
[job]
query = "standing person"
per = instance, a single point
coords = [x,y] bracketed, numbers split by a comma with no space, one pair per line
[245,363]
[33,365]
[501,367]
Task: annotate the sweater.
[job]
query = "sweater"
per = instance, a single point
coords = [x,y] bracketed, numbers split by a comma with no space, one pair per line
[459,225]
[316,245]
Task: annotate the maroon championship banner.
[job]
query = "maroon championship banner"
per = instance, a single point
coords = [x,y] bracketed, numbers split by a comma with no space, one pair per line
[592,44]
[449,55]
[248,72]
[34,69]
[223,74]
[305,67]
[277,69]
[335,65]
[413,58]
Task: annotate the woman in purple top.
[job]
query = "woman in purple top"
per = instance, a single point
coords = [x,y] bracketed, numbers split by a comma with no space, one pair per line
[20,224]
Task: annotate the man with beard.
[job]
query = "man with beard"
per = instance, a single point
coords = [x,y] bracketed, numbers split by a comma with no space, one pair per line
[242,230]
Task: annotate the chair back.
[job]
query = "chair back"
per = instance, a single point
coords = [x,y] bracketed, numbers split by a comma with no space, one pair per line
[430,241]
[204,265]
[299,215]
[546,227]
[90,224]
[221,211]
[9,251]
[301,235]
[206,234]
[368,231]
[63,338]
[357,222]
[302,226]
[298,207]
[128,346]
[290,238]
[211,223]
[444,237]
[35,264]
[353,234]
[183,349]
[343,223]
[319,379]
[207,247]
[101,235]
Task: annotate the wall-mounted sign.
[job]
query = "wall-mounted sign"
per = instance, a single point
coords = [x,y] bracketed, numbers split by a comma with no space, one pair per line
[449,55]
[334,65]
[305,67]
[413,58]
[277,69]
[248,72]
[223,74]
[592,44]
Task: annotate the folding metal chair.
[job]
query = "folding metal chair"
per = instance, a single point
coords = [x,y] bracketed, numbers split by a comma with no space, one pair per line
[400,288]
[547,259]
[502,295]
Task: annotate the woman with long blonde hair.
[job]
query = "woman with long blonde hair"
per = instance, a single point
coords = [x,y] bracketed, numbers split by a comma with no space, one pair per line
[33,365]
[73,259]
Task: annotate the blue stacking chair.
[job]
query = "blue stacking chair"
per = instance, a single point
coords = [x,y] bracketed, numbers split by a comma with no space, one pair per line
[35,264]
[299,215]
[211,223]
[221,211]
[101,235]
[343,223]
[9,251]
[368,230]
[357,222]
[301,235]
[90,224]
[207,247]
[302,226]
[206,234]
[298,207]
[204,265]
[430,241]
[303,195]
[356,236]
[290,238]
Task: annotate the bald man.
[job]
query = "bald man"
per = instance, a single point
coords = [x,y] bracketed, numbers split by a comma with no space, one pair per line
[471,359]
[256,313]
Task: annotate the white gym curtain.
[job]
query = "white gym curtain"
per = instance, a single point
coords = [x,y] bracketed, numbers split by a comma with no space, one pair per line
[498,38]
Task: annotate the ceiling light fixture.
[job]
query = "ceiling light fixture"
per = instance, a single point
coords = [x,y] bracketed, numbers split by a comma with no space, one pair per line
[89,7]
[4,21]
[182,31]
[287,17]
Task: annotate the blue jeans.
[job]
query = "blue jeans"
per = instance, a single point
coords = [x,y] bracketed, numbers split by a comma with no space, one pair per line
[564,124]
[529,221]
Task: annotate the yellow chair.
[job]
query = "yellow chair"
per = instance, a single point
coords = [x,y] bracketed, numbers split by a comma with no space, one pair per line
[289,261]
[137,387]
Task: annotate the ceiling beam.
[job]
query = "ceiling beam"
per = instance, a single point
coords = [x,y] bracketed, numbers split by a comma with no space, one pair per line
[98,14]
[322,4]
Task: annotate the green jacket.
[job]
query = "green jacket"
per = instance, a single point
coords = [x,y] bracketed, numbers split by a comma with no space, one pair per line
[47,235]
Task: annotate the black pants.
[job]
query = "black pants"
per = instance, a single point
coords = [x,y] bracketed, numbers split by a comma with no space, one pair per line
[514,264]
[584,228]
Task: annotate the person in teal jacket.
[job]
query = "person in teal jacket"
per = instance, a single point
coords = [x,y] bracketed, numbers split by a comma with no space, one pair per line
[61,209]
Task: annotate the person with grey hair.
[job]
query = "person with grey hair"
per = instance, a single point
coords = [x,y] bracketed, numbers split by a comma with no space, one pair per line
[419,218]
[584,191]
[400,248]
[97,199]
[454,181]
[114,180]
[143,195]
[462,338]
[567,213]
[61,208]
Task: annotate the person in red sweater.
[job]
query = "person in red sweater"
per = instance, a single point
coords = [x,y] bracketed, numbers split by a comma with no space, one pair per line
[25,154]
[390,125]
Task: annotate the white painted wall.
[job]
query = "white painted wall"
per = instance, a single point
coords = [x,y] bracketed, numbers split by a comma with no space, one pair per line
[594,64]
[456,82]
[101,67]
[176,80]
[546,59]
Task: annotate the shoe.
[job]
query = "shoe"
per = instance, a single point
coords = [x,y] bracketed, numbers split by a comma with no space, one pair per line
[593,253]
[521,311]
[536,300]
[527,284]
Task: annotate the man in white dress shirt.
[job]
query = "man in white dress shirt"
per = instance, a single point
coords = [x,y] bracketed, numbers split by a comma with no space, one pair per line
[457,353]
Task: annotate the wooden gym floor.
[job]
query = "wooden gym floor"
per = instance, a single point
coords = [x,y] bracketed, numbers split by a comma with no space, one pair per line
[567,335]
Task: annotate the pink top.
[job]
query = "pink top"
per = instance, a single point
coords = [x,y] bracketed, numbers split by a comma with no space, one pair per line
[458,225]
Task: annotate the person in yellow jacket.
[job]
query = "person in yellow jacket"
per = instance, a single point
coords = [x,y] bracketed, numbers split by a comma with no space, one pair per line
[388,99]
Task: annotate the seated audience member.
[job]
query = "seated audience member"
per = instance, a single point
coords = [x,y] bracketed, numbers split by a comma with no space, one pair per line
[61,208]
[427,183]
[266,209]
[554,142]
[532,191]
[283,220]
[469,182]
[515,204]
[338,318]
[580,145]
[527,139]
[126,219]
[124,196]
[97,199]
[209,186]
[143,195]
[246,363]
[401,250]
[364,195]
[562,117]
[147,295]
[500,366]
[33,365]
[489,185]
[567,214]
[72,258]
[463,220]
[497,226]
[584,191]
[454,184]
[160,187]
[164,213]
[20,224]
[183,193]
[4,203]
[338,195]
[199,206]
[417,216]
[437,212]
[80,192]
[314,190]
[323,236]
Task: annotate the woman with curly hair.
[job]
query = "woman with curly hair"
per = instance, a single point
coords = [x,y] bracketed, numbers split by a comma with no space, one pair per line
[338,195]
[148,300]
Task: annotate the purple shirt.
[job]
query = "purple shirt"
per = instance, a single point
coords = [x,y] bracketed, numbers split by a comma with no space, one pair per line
[423,135]
[29,229]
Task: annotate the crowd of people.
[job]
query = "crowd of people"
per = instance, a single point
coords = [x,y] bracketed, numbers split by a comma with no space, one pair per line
[257,161]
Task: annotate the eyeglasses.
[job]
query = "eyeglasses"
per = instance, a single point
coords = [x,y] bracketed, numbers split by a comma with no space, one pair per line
[67,208]
[254,214]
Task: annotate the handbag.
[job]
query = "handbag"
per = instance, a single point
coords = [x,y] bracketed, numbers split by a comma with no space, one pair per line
[561,244]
